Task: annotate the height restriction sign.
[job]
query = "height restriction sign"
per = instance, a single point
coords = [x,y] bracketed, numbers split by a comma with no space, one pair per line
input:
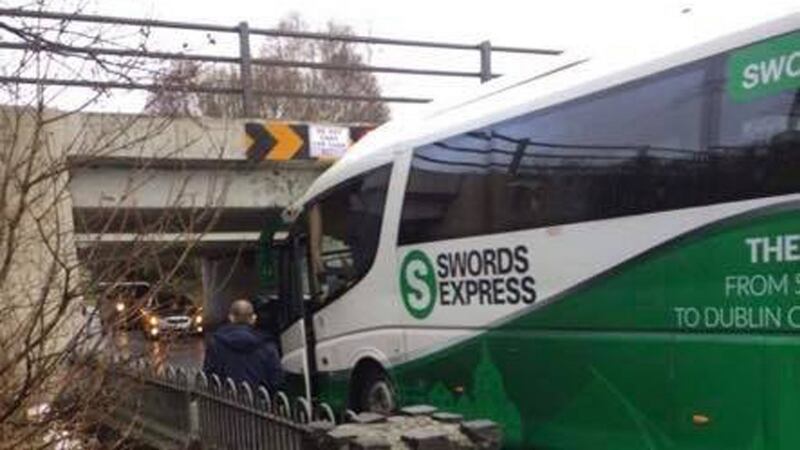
[327,141]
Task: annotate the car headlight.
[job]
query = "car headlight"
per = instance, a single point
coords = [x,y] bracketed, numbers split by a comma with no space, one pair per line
[153,321]
[198,319]
[120,306]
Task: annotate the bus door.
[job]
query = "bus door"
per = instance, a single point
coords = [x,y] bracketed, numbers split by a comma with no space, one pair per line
[293,310]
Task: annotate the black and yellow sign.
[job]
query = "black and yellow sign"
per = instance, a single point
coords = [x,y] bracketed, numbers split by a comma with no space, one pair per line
[275,141]
[281,141]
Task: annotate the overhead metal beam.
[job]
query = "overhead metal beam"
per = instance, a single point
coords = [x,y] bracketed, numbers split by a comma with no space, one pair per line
[271,62]
[172,220]
[18,12]
[207,89]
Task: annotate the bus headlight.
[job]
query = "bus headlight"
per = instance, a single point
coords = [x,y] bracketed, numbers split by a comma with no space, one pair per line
[198,319]
[153,331]
[153,321]
[120,306]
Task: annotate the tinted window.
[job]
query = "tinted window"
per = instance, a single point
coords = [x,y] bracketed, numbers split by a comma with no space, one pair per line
[668,141]
[756,153]
[344,230]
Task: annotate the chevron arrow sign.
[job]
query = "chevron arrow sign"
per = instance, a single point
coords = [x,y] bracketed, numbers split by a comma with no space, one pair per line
[277,141]
[281,141]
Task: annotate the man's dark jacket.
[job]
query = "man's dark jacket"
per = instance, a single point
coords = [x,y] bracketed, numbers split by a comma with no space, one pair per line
[243,353]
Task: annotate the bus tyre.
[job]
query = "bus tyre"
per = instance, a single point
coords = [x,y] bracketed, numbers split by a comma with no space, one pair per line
[377,394]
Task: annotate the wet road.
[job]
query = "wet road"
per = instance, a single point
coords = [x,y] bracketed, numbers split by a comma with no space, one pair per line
[184,351]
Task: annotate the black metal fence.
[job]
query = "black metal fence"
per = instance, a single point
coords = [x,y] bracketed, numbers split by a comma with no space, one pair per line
[176,408]
[168,408]
[234,416]
[245,61]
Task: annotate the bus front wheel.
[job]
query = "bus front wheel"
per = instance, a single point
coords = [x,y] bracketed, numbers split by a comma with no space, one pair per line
[376,393]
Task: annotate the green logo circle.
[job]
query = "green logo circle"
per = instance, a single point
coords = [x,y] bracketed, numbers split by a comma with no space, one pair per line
[418,284]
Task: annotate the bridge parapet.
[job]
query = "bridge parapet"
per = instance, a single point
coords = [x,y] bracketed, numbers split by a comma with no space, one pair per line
[207,138]
[144,163]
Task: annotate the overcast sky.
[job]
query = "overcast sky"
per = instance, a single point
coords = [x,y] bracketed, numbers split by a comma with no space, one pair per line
[577,26]
[548,23]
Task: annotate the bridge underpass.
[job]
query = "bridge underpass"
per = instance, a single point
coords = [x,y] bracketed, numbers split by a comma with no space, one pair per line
[224,265]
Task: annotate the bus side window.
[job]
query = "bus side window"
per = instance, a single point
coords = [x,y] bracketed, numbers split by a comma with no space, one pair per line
[632,149]
[344,230]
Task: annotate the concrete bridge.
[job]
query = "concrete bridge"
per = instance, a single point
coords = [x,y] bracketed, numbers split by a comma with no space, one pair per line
[179,182]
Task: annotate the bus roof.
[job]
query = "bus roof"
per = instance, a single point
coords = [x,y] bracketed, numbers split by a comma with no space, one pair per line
[566,78]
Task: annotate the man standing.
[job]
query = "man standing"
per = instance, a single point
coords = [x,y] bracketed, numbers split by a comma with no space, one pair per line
[238,351]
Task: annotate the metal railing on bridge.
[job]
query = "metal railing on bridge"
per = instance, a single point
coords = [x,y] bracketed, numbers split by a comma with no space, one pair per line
[175,408]
[245,60]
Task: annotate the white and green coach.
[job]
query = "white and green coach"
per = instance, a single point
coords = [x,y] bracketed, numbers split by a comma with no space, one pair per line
[603,255]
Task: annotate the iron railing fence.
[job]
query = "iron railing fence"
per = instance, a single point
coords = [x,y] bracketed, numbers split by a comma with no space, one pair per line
[231,416]
[173,408]
[245,60]
[177,408]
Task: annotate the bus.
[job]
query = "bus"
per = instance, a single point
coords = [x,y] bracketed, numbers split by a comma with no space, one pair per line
[602,255]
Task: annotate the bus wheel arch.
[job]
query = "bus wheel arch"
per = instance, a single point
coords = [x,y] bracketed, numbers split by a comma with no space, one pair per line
[371,388]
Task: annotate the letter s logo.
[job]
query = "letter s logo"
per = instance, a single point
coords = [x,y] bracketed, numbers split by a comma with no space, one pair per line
[750,77]
[418,284]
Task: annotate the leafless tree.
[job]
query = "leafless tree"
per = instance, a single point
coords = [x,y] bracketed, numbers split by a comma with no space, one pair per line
[46,278]
[173,100]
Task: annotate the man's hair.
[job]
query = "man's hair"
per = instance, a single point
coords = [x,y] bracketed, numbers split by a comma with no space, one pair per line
[241,311]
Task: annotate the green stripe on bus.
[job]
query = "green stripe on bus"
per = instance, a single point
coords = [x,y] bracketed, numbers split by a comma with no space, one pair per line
[617,364]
